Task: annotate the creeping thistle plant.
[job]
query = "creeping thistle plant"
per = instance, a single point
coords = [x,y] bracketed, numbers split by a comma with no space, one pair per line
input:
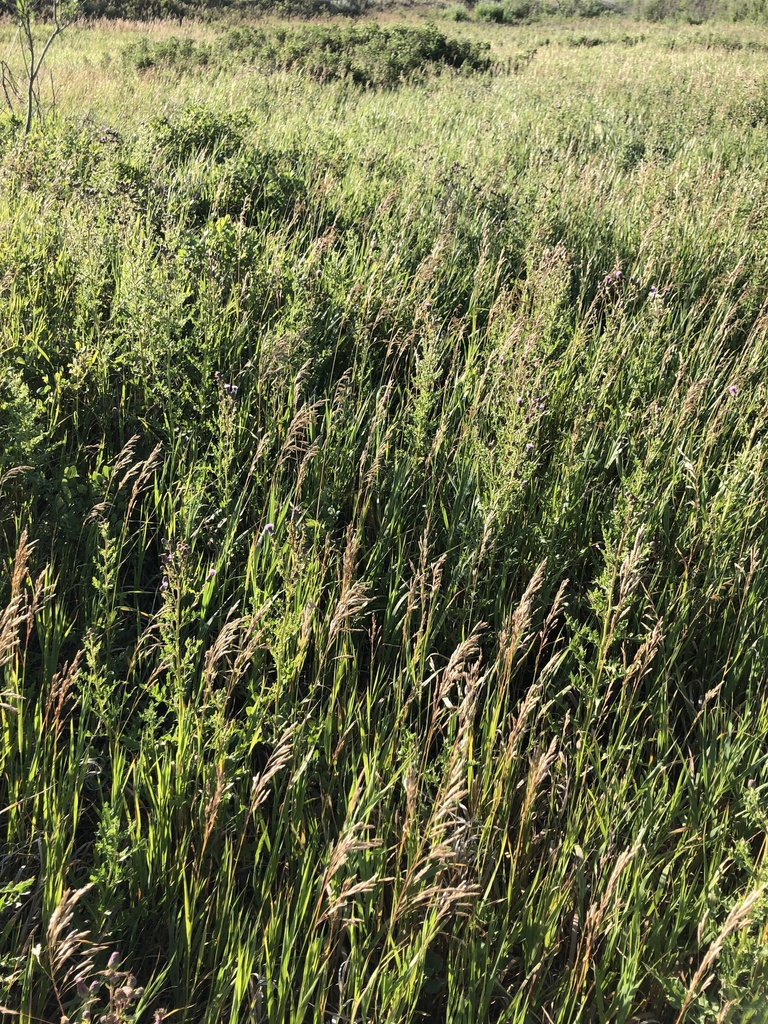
[122,992]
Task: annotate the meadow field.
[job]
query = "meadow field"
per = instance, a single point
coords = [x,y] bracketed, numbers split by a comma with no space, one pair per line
[383,490]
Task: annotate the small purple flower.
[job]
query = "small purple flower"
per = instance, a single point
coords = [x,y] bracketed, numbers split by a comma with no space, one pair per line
[540,405]
[211,573]
[163,587]
[653,292]
[230,389]
[519,400]
[114,960]
[612,278]
[268,531]
[732,389]
[530,446]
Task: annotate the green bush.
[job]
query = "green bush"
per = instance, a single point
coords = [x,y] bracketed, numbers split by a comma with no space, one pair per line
[182,54]
[366,55]
[510,13]
[584,41]
[518,11]
[492,13]
[20,421]
[198,130]
[457,12]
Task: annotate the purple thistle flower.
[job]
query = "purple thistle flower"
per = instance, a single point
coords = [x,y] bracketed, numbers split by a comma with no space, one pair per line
[268,531]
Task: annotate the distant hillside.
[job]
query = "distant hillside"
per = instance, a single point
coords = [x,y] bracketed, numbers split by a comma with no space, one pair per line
[500,11]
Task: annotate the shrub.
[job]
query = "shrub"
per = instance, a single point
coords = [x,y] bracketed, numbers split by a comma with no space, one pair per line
[20,421]
[367,55]
[513,12]
[492,13]
[457,12]
[518,10]
[198,130]
[584,41]
[181,54]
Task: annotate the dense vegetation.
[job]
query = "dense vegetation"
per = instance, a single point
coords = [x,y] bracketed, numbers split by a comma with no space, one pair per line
[366,55]
[493,11]
[382,524]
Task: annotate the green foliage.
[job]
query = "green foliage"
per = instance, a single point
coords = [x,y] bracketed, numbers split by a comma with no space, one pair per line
[199,131]
[457,12]
[366,55]
[490,12]
[21,428]
[181,54]
[518,12]
[382,615]
[584,40]
[697,12]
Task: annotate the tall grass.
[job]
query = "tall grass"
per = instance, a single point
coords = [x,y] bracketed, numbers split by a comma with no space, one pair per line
[383,489]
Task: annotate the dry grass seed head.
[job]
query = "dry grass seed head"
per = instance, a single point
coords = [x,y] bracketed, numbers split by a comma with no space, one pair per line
[354,596]
[147,468]
[68,952]
[455,671]
[515,628]
[297,437]
[61,686]
[212,804]
[278,759]
[595,919]
[22,606]
[738,918]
